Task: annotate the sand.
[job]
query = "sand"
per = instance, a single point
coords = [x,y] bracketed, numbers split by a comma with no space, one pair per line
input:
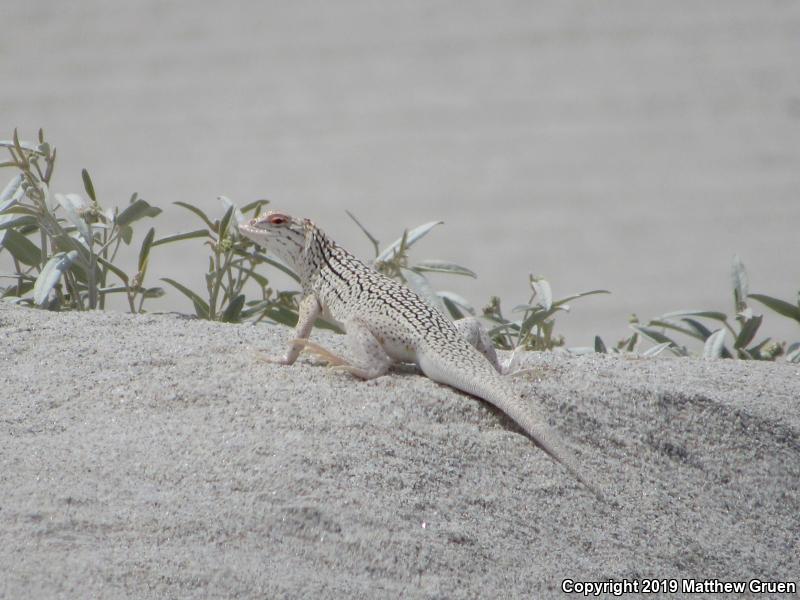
[156,456]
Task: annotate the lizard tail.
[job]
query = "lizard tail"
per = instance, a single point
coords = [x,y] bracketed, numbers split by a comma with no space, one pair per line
[494,389]
[524,415]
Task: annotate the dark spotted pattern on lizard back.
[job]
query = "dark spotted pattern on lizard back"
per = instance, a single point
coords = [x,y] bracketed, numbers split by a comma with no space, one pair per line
[348,288]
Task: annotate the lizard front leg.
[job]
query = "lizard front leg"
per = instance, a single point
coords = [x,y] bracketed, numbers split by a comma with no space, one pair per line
[368,358]
[307,314]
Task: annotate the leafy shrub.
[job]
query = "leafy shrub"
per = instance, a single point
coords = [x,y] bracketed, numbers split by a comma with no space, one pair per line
[721,336]
[64,248]
[534,329]
[76,239]
[393,261]
[231,265]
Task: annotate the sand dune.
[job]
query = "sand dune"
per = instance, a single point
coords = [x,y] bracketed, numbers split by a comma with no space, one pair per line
[155,456]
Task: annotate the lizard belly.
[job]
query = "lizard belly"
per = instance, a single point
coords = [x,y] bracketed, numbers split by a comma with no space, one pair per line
[397,349]
[395,339]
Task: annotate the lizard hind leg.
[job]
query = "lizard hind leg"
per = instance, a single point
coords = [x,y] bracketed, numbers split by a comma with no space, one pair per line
[472,331]
[368,358]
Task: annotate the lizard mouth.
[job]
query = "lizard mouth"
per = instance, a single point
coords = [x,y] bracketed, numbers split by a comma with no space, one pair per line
[251,230]
[247,225]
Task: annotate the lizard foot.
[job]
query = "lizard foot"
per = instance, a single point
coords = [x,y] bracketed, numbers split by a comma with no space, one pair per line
[511,367]
[359,372]
[370,370]
[273,360]
[332,359]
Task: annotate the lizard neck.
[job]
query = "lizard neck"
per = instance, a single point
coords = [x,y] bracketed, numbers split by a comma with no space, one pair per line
[316,257]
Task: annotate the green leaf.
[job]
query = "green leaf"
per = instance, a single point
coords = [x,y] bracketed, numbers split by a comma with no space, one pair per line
[675,327]
[756,351]
[144,251]
[154,292]
[632,341]
[740,284]
[748,331]
[410,238]
[22,145]
[12,192]
[440,266]
[540,316]
[65,243]
[420,284]
[16,220]
[793,353]
[282,315]
[196,211]
[541,287]
[51,273]
[69,205]
[779,306]
[17,290]
[660,338]
[200,305]
[702,332]
[599,346]
[255,206]
[20,210]
[138,209]
[526,308]
[259,279]
[656,350]
[197,233]
[114,269]
[504,327]
[581,295]
[277,265]
[254,307]
[653,334]
[21,248]
[715,344]
[237,214]
[370,237]
[126,233]
[88,185]
[458,301]
[225,222]
[113,289]
[232,312]
[453,309]
[708,314]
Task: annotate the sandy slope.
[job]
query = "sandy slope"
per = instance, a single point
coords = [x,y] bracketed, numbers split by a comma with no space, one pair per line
[155,456]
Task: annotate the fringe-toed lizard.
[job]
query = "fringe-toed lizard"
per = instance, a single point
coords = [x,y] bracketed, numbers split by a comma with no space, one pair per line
[386,321]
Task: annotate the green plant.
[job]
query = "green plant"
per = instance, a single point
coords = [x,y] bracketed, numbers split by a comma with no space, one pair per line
[231,266]
[534,329]
[393,261]
[715,328]
[76,240]
[63,251]
[788,310]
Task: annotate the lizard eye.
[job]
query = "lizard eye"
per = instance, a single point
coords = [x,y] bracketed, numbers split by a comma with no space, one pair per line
[277,219]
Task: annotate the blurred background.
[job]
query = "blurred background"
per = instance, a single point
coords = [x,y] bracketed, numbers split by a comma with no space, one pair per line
[630,145]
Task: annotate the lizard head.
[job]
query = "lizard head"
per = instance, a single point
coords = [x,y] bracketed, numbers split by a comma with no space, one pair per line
[282,234]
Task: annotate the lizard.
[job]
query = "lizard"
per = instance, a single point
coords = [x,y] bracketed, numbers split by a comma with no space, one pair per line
[387,322]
